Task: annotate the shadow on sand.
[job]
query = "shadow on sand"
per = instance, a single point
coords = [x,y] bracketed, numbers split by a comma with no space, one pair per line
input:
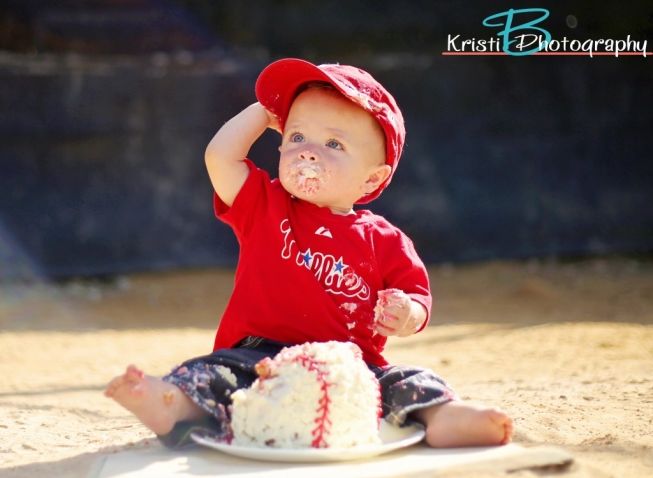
[85,465]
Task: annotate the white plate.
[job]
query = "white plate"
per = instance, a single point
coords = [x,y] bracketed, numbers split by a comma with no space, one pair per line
[392,438]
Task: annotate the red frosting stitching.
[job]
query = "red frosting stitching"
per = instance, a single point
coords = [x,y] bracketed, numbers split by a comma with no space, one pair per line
[322,421]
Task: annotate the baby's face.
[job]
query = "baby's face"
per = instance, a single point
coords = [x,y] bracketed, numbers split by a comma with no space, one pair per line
[332,151]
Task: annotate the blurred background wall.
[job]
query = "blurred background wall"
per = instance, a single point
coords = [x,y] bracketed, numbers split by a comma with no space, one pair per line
[106,108]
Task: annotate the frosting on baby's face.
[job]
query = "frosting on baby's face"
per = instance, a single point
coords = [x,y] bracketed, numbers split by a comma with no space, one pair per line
[332,151]
[307,175]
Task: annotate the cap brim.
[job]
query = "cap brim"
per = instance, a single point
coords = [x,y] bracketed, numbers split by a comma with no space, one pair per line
[278,83]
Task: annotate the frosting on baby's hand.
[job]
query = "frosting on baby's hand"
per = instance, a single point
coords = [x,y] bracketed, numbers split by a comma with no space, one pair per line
[392,312]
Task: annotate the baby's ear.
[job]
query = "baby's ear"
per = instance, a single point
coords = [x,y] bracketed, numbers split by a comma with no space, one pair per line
[377,177]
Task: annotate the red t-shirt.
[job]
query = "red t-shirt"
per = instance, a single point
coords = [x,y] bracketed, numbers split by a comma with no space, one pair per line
[307,275]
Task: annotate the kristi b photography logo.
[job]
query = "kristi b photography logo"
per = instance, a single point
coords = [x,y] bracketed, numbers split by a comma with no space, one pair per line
[523,32]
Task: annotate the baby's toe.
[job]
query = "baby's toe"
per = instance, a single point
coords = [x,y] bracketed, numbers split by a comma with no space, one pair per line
[114,385]
[134,374]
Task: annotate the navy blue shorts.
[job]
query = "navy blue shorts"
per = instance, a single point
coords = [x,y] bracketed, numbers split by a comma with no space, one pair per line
[210,380]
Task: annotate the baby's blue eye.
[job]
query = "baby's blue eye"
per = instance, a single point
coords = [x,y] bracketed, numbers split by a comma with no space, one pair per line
[332,143]
[296,138]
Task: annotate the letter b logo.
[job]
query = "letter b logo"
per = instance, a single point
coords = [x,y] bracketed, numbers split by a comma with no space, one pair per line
[509,29]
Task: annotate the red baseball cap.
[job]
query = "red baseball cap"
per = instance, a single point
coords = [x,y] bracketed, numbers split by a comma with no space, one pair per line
[279,82]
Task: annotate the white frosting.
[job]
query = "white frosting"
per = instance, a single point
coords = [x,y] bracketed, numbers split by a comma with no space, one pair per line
[309,173]
[312,395]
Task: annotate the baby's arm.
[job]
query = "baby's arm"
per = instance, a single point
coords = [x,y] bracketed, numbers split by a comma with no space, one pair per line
[397,314]
[226,152]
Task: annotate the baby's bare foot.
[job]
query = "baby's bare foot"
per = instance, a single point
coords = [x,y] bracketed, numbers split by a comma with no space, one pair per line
[457,424]
[157,404]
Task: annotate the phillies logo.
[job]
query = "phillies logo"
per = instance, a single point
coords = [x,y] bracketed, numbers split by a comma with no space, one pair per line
[336,276]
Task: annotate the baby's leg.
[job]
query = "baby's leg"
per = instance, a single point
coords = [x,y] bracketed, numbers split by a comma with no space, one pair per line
[157,404]
[457,423]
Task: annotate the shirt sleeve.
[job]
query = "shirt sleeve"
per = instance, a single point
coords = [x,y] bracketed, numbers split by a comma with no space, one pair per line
[403,269]
[250,202]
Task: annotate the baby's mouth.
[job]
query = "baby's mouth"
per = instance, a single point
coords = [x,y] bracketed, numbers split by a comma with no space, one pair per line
[307,177]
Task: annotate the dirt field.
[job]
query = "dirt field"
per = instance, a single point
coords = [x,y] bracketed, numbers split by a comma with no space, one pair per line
[565,348]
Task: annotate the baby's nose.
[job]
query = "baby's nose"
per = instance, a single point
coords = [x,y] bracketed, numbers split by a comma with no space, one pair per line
[308,155]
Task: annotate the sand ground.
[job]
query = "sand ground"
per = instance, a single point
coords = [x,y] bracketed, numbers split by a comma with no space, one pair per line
[565,348]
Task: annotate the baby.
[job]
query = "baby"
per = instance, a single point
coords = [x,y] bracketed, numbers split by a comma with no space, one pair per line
[311,267]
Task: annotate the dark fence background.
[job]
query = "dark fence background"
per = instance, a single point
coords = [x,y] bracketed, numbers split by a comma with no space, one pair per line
[106,108]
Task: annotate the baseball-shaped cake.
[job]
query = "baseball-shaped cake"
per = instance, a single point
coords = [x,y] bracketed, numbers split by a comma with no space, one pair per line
[319,395]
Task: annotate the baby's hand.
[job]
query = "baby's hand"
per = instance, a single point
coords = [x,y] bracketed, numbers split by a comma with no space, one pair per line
[395,314]
[273,121]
